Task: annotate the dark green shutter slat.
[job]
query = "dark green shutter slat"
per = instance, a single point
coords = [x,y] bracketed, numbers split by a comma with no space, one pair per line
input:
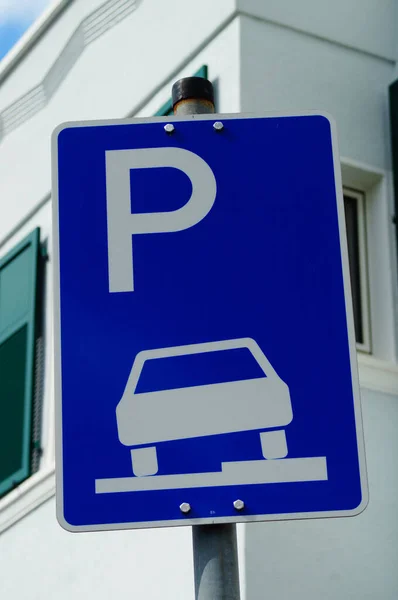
[37,405]
[12,382]
[167,108]
[18,277]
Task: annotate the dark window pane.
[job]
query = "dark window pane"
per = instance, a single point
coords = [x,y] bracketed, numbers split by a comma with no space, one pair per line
[12,402]
[351,217]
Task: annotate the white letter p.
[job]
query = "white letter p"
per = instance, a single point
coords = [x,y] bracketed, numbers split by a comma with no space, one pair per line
[122,224]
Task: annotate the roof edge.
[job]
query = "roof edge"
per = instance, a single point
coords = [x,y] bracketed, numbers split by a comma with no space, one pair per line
[30,37]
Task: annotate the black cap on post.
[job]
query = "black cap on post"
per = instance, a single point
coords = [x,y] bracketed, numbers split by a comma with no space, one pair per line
[193,90]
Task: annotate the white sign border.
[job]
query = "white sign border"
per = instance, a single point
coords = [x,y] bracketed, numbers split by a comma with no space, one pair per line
[184,521]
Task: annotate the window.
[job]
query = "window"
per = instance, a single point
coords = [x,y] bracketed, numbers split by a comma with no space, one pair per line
[167,108]
[19,348]
[354,206]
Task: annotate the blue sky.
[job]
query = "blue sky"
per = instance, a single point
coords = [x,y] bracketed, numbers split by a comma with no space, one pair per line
[15,18]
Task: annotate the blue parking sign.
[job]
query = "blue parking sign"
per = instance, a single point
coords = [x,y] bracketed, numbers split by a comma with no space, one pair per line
[205,350]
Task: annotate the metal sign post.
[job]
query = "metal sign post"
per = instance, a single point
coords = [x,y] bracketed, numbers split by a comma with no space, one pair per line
[215,555]
[215,560]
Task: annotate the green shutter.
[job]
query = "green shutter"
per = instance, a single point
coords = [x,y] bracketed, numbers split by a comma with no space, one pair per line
[18,291]
[167,108]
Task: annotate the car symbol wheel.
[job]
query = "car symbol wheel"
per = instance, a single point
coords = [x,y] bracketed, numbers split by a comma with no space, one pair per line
[144,461]
[273,444]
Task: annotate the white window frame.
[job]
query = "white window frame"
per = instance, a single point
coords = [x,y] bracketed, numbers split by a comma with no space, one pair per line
[360,199]
[381,256]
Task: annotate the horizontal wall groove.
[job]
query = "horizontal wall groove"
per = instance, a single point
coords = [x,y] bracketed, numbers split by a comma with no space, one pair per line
[90,28]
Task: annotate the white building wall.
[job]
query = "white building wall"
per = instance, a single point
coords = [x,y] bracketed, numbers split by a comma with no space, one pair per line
[262,56]
[54,564]
[335,559]
[365,25]
[295,60]
[296,71]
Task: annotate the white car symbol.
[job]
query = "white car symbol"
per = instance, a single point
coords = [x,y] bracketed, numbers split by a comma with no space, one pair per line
[144,419]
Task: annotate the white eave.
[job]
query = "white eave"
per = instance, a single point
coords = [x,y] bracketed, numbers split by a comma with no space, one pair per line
[31,36]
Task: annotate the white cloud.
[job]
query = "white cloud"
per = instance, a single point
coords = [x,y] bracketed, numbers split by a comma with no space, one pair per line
[21,11]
